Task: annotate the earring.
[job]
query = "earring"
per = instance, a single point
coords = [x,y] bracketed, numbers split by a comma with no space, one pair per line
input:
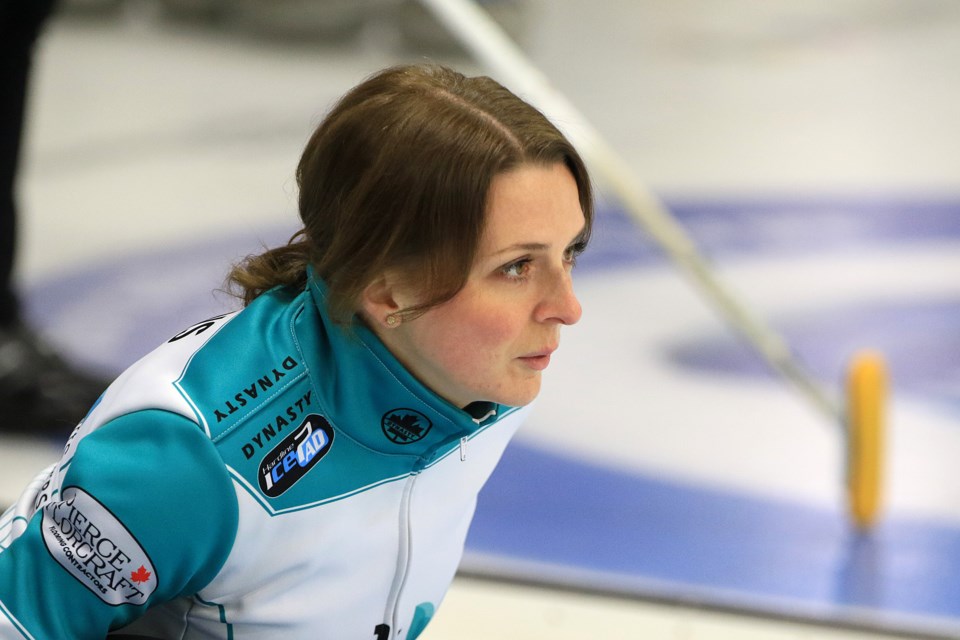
[392,320]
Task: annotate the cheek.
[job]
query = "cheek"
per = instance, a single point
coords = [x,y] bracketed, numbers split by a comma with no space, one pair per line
[479,337]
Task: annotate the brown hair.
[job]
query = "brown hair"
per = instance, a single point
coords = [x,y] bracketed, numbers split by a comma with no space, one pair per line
[397,176]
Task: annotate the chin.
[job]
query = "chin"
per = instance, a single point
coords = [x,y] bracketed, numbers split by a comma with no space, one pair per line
[519,395]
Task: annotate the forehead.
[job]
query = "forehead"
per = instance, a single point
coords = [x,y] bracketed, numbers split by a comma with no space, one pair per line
[532,204]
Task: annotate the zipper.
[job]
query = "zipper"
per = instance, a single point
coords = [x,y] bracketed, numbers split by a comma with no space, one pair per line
[465,439]
[405,545]
[404,552]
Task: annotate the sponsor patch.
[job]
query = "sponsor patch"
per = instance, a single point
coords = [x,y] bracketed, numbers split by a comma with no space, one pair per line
[295,455]
[87,540]
[403,426]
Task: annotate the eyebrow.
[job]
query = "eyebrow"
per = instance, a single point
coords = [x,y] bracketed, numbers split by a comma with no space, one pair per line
[538,246]
[525,246]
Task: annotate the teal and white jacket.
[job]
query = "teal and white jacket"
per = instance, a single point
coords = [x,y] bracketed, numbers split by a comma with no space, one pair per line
[264,474]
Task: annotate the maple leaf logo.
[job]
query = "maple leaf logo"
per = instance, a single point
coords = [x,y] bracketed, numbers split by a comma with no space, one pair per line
[140,575]
[404,426]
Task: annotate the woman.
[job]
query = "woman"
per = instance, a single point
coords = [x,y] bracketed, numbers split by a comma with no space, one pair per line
[308,466]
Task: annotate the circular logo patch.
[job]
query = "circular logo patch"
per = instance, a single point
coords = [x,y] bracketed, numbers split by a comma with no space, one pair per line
[403,426]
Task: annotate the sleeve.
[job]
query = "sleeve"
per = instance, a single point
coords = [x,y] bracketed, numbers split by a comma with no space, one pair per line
[146,512]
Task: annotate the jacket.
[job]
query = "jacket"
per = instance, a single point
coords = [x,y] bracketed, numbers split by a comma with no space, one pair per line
[263,474]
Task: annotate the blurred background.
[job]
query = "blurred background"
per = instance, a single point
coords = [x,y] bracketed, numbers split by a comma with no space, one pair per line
[669,485]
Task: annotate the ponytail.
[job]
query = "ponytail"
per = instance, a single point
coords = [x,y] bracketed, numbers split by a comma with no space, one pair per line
[281,266]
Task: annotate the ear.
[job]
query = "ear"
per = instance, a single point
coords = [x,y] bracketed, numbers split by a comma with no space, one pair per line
[382,298]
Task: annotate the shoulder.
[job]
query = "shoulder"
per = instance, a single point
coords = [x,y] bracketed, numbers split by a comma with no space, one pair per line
[212,369]
[252,359]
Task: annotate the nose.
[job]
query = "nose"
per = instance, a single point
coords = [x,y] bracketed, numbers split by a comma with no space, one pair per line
[560,303]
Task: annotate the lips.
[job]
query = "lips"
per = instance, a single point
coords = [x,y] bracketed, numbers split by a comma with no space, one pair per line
[539,360]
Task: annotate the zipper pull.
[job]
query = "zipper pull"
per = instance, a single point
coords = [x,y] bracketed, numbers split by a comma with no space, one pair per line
[463,449]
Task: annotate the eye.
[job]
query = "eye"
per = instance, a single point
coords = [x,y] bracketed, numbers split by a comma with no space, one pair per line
[574,250]
[517,270]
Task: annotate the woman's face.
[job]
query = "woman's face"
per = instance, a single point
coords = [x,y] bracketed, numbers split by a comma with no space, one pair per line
[494,338]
